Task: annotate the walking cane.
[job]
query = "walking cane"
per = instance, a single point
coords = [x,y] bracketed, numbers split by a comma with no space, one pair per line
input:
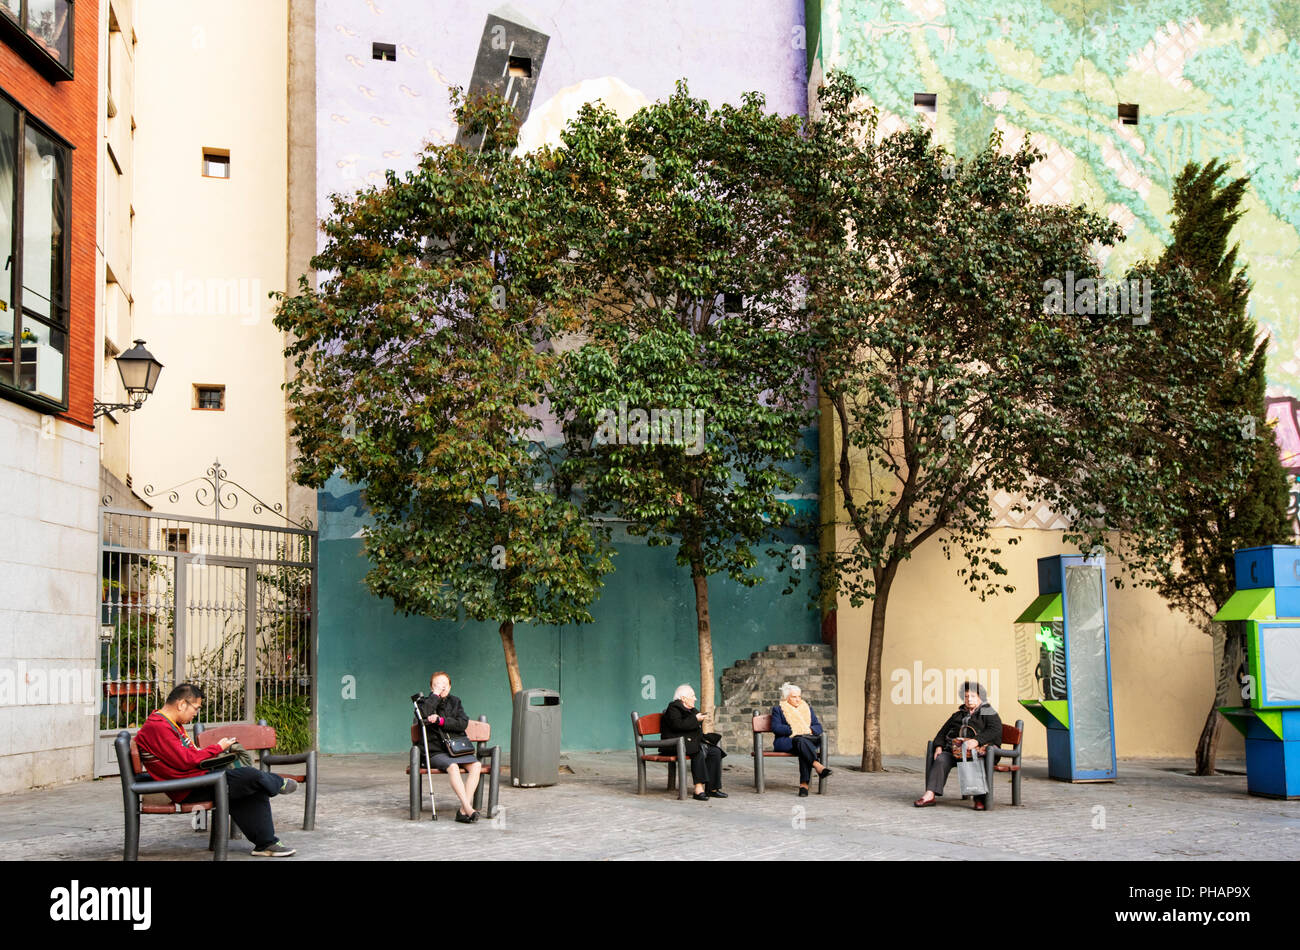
[428,769]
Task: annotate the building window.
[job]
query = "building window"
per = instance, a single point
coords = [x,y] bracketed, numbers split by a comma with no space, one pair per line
[926,102]
[176,539]
[1128,113]
[209,397]
[520,67]
[216,163]
[41,31]
[34,220]
[384,51]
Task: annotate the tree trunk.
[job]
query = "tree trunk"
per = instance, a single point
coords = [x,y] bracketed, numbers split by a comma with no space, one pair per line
[705,632]
[512,658]
[871,682]
[1207,747]
[1228,655]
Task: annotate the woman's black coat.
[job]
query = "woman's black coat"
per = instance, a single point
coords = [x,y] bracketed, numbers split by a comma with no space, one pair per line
[677,721]
[985,721]
[450,709]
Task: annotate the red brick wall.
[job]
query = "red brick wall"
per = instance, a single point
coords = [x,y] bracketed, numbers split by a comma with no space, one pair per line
[71,108]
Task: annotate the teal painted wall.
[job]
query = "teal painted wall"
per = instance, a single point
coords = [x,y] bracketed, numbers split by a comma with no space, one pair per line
[645,626]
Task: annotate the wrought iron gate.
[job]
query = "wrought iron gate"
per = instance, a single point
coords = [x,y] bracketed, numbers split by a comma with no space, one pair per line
[228,605]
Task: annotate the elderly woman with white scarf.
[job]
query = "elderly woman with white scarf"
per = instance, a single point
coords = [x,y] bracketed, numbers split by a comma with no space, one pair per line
[796,727]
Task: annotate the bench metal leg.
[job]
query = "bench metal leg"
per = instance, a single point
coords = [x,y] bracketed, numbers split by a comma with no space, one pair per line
[131,836]
[417,796]
[309,807]
[221,822]
[494,782]
[989,759]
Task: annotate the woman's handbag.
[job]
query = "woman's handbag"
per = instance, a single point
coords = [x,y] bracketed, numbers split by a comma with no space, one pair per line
[458,746]
[970,775]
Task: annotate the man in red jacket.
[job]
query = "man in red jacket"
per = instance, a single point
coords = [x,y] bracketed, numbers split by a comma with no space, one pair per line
[167,752]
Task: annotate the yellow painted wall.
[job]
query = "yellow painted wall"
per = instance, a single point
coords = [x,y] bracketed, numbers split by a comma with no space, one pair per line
[1160,663]
[216,78]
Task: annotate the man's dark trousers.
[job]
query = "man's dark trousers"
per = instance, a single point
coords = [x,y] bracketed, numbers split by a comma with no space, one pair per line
[250,792]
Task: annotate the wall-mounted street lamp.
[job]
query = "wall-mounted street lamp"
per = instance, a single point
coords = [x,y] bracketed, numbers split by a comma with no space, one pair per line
[140,373]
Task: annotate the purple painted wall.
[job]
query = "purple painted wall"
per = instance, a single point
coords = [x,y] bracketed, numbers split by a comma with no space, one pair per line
[374,115]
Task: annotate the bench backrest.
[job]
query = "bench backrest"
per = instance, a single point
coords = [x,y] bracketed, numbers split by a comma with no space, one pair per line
[647,725]
[252,738]
[1010,735]
[763,723]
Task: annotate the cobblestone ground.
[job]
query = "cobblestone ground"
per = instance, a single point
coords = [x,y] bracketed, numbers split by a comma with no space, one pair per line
[1154,812]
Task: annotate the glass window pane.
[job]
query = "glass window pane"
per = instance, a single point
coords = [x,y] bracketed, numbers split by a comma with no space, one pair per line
[1089,682]
[8,161]
[43,202]
[13,7]
[42,351]
[7,347]
[47,24]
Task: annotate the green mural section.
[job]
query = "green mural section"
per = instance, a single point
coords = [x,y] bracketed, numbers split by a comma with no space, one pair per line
[642,645]
[1211,80]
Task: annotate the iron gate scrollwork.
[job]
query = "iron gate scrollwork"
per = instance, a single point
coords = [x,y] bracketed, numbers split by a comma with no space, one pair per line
[228,605]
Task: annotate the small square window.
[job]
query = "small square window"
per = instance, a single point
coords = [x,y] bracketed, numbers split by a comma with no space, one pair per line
[520,67]
[1128,113]
[216,163]
[926,102]
[387,52]
[210,397]
[732,302]
[176,539]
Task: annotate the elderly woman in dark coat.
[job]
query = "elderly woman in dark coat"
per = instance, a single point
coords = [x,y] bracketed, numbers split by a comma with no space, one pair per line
[445,717]
[681,718]
[796,728]
[974,724]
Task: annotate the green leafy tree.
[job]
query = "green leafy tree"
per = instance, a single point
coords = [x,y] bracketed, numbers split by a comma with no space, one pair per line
[1199,579]
[423,364]
[948,373]
[682,248]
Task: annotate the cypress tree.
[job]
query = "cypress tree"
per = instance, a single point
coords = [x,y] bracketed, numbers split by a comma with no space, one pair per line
[1213,525]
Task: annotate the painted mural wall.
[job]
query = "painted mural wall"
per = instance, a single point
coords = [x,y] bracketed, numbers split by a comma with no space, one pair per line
[375,114]
[1210,80]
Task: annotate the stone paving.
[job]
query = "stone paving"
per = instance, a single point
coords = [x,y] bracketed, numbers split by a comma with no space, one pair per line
[1156,811]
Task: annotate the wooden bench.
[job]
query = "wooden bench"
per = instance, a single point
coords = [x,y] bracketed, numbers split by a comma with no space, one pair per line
[1011,735]
[761,725]
[261,739]
[142,795]
[649,725]
[479,732]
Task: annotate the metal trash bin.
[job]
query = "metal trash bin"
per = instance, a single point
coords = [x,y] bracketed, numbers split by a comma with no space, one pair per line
[535,738]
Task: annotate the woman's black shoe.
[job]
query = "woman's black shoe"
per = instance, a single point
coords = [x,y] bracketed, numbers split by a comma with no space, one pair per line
[803,791]
[464,819]
[700,797]
[717,793]
[825,772]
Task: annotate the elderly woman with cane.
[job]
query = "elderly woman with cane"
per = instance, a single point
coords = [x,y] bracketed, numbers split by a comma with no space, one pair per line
[796,727]
[444,720]
[974,725]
